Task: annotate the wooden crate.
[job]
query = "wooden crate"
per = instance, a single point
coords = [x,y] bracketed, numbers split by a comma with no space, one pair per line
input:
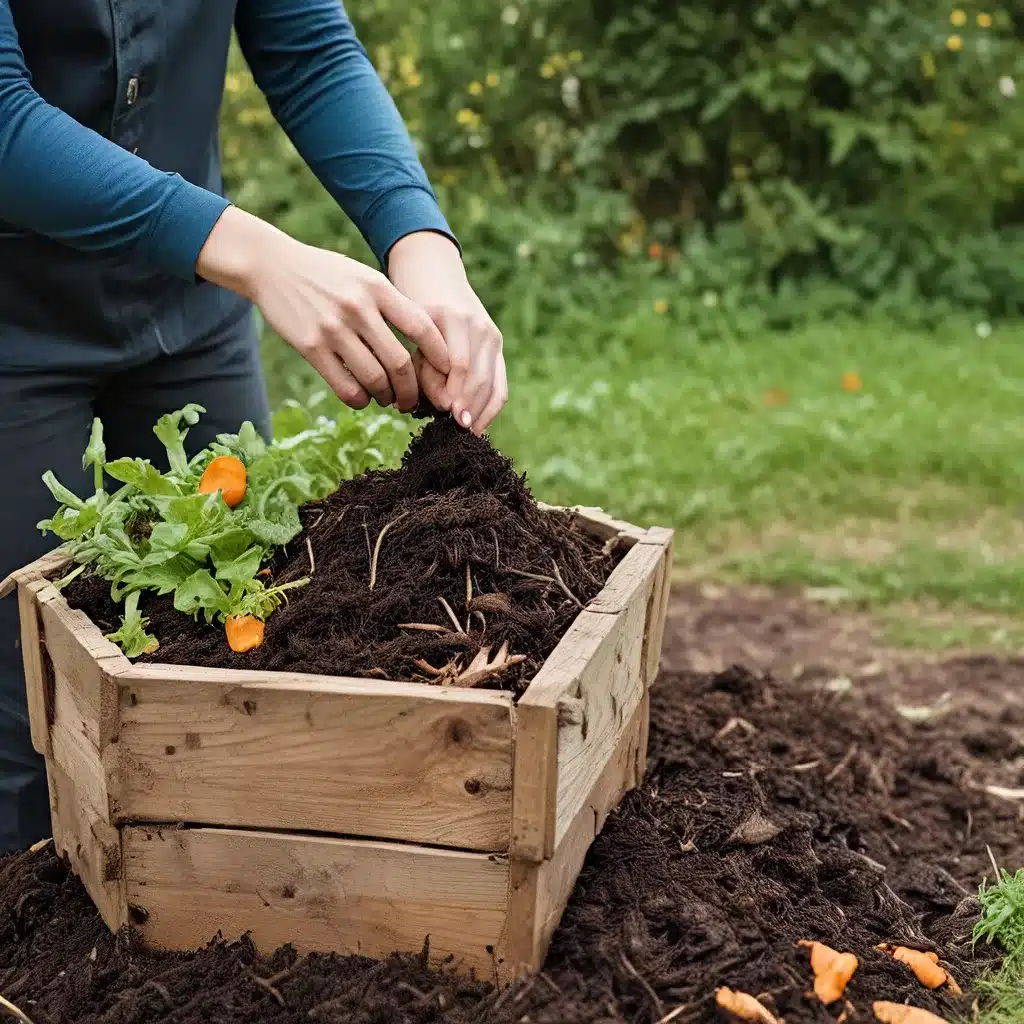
[343,814]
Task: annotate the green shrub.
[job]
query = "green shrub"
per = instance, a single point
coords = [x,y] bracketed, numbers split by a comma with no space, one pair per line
[739,148]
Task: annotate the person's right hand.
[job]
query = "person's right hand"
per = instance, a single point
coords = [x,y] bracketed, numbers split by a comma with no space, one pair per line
[334,311]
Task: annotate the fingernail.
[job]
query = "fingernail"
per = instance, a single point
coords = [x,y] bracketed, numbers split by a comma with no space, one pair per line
[466,419]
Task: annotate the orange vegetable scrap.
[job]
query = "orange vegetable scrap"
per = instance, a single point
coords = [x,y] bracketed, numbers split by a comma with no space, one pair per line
[244,632]
[744,1007]
[832,970]
[899,1013]
[926,967]
[851,382]
[227,475]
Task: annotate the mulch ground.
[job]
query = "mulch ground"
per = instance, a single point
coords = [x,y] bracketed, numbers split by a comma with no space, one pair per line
[800,807]
[410,570]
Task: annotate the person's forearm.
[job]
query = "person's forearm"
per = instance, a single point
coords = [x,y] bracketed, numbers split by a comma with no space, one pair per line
[324,91]
[64,181]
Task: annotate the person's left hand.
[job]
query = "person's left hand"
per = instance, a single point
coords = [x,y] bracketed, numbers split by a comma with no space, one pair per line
[426,267]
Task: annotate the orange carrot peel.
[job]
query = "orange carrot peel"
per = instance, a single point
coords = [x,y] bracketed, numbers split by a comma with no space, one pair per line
[227,475]
[832,970]
[244,632]
[744,1007]
[926,967]
[900,1013]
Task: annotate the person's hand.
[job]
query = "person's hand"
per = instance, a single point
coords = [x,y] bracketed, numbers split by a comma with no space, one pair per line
[334,311]
[426,267]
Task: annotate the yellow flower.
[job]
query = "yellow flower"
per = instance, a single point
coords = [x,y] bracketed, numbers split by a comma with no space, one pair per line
[955,43]
[558,62]
[927,65]
[475,88]
[493,79]
[415,80]
[660,306]
[547,70]
[467,117]
[406,65]
[957,17]
[575,56]
[985,20]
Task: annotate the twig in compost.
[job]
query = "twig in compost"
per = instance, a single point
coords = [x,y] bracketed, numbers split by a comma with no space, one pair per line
[482,667]
[558,579]
[268,987]
[312,560]
[11,1010]
[547,981]
[369,553]
[424,627]
[483,621]
[659,1008]
[451,615]
[807,766]
[497,550]
[843,765]
[376,548]
[673,1014]
[531,576]
[734,723]
[41,845]
[469,587]
[995,866]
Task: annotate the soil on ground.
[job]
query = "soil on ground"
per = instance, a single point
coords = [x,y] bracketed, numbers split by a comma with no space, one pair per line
[804,806]
[391,550]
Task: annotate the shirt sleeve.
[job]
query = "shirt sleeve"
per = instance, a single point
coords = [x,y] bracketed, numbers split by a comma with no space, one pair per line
[65,181]
[326,94]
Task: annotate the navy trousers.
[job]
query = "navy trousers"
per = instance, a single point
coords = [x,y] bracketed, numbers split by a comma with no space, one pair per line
[45,418]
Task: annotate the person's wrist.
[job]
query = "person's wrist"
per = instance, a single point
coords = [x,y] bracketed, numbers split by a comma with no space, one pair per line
[418,245]
[235,250]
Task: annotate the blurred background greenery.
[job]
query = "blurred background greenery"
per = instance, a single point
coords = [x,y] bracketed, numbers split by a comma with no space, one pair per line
[759,266]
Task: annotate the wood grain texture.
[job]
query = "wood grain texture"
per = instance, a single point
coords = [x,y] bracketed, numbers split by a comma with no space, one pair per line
[535,781]
[86,660]
[38,675]
[657,613]
[91,844]
[42,568]
[348,757]
[634,578]
[596,679]
[320,894]
[539,892]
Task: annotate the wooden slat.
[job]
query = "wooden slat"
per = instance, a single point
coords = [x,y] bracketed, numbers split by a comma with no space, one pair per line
[540,892]
[654,631]
[92,845]
[634,578]
[345,756]
[320,894]
[38,678]
[86,660]
[603,527]
[73,747]
[535,782]
[42,568]
[596,679]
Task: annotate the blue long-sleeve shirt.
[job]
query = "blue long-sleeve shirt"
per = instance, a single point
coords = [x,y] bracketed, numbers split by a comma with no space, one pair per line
[108,134]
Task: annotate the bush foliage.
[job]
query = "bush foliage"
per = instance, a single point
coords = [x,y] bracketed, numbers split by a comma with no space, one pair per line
[735,149]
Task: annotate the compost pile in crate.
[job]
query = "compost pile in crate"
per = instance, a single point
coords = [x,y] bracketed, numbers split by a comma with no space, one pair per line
[442,571]
[771,814]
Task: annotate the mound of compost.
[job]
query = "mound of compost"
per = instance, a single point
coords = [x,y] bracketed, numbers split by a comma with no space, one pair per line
[771,813]
[410,570]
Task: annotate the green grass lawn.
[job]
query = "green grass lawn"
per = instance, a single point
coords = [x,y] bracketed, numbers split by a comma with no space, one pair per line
[906,490]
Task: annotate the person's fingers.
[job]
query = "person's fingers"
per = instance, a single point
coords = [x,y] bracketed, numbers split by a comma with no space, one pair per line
[415,323]
[456,334]
[479,385]
[499,396]
[339,380]
[363,365]
[396,360]
[432,383]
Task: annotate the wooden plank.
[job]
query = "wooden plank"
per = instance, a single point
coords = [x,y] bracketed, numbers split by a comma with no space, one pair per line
[42,568]
[74,748]
[539,893]
[634,578]
[351,757]
[86,660]
[319,893]
[596,679]
[657,613]
[598,524]
[38,676]
[92,845]
[535,781]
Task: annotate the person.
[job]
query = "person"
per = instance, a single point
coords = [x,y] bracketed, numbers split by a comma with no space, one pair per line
[128,279]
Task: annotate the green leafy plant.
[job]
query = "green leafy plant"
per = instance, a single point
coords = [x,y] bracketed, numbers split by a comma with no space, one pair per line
[156,533]
[1001,922]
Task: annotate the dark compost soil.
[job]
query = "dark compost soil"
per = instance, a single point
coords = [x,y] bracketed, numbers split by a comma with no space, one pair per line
[455,502]
[772,811]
